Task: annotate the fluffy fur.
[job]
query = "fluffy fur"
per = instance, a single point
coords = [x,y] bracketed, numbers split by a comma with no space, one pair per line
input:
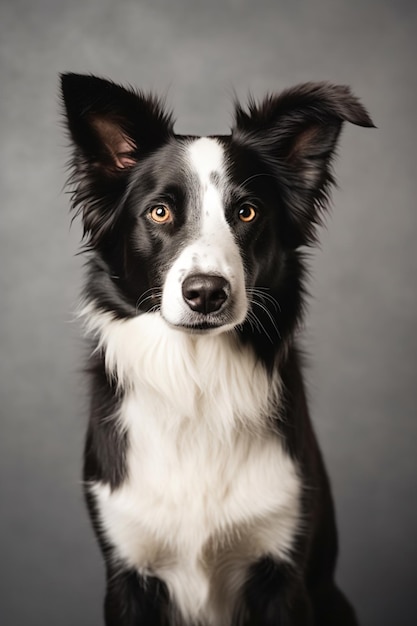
[203,478]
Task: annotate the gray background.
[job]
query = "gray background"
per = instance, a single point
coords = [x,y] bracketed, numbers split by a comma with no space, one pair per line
[360,331]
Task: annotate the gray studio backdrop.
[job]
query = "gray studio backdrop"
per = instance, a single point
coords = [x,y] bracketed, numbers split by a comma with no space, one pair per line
[361,328]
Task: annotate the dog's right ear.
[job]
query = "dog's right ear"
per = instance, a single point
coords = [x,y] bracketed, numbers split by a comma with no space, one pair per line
[111,126]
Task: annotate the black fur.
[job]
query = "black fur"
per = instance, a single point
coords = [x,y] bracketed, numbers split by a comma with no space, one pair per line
[280,154]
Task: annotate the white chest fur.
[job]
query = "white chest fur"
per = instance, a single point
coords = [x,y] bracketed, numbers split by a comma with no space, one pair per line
[209,488]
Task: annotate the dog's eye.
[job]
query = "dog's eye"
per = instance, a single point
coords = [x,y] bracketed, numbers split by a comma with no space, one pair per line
[161,214]
[247,213]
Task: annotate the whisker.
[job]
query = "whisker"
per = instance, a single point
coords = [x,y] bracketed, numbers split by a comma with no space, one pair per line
[143,300]
[150,290]
[273,322]
[252,322]
[259,297]
[153,294]
[262,327]
[261,292]
[256,176]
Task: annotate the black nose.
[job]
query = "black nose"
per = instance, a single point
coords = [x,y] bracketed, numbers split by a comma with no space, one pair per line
[205,293]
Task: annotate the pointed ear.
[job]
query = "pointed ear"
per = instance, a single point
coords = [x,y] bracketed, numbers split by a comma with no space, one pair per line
[296,135]
[112,126]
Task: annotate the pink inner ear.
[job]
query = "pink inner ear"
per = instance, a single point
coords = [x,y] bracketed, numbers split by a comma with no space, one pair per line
[116,142]
[124,160]
[303,142]
[305,145]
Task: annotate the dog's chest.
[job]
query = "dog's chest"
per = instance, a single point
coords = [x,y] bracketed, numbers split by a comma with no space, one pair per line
[205,496]
[196,512]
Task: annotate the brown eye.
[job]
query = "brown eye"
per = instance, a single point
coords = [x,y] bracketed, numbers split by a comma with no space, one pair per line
[247,213]
[161,214]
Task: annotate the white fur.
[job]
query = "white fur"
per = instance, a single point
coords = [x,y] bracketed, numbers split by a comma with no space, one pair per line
[193,374]
[213,250]
[209,487]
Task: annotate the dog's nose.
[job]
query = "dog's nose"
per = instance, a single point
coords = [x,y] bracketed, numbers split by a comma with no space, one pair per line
[205,293]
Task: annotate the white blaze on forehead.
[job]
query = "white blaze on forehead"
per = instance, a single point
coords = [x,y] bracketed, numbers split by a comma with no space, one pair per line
[206,157]
[207,162]
[214,250]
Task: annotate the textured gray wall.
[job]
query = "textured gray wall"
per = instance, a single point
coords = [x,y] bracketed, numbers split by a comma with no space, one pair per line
[361,328]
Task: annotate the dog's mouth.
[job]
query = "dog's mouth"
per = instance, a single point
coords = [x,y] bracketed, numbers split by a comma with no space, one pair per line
[200,327]
[204,327]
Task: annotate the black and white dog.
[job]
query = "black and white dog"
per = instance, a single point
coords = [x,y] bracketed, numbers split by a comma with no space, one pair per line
[202,474]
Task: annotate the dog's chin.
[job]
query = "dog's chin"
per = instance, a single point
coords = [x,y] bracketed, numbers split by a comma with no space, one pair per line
[201,327]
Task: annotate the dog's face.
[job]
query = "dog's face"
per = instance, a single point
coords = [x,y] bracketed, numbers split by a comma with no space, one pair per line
[199,228]
[201,232]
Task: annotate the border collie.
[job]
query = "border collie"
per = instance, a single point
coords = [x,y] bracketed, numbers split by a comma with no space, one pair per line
[203,478]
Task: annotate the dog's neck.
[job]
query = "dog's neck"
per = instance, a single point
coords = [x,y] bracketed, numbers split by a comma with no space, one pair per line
[205,375]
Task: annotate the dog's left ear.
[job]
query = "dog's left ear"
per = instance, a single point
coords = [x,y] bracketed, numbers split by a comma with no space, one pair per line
[295,135]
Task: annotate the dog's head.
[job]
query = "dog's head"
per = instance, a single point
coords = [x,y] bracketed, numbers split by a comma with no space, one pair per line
[204,230]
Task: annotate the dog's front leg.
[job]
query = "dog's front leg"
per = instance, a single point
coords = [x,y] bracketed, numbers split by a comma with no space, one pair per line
[132,600]
[274,596]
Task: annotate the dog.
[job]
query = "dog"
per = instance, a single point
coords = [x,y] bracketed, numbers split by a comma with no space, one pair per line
[203,478]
